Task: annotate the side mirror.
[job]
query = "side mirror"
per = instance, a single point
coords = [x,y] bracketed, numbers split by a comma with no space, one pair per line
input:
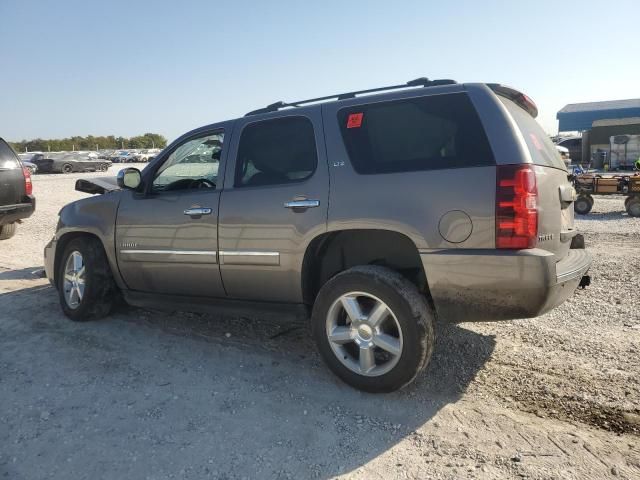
[130,178]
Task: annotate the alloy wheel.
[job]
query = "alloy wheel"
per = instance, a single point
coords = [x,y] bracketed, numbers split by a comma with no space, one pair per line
[364,334]
[74,279]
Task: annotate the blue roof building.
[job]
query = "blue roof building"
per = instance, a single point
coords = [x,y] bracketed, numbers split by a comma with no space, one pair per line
[577,117]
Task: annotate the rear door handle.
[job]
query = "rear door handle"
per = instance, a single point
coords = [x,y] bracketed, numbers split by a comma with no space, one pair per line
[193,212]
[302,204]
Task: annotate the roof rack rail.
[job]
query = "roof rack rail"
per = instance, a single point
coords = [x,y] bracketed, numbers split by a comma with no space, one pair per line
[418,82]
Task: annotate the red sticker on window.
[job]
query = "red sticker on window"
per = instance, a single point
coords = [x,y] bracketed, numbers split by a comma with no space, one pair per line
[355,120]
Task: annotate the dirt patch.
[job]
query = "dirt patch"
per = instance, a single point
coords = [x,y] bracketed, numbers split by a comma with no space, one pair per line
[606,418]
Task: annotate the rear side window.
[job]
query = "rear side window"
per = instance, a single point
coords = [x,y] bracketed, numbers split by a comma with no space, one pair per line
[276,151]
[543,151]
[8,158]
[427,133]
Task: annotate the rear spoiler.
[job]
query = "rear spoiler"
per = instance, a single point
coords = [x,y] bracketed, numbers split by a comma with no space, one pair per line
[97,185]
[514,95]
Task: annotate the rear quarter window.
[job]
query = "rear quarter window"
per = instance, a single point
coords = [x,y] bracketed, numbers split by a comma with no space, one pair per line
[543,151]
[427,133]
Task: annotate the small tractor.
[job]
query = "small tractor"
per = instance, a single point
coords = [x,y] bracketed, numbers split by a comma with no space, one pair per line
[587,185]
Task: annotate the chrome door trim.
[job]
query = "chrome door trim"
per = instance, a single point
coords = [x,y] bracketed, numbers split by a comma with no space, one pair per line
[248,257]
[171,252]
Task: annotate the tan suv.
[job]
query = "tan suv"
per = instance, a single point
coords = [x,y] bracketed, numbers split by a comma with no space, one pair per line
[372,211]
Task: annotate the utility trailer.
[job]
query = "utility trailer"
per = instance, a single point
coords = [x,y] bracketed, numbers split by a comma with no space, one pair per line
[587,185]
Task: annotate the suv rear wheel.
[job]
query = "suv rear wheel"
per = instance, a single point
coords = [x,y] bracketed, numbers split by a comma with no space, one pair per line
[373,328]
[7,231]
[85,284]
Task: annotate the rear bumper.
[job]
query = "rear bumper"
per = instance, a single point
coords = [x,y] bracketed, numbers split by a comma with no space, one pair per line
[481,285]
[11,213]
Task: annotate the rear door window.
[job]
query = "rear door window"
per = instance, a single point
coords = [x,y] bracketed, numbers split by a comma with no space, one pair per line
[543,151]
[426,133]
[278,151]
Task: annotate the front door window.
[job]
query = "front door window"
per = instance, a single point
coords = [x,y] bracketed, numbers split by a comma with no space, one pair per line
[194,164]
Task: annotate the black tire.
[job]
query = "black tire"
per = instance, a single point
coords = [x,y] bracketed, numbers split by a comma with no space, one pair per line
[411,310]
[67,168]
[632,206]
[100,291]
[7,231]
[583,204]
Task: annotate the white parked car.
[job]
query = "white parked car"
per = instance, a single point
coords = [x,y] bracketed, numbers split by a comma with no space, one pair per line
[146,154]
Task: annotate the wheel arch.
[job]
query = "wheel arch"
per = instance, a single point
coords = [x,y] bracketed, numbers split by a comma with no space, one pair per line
[62,243]
[333,252]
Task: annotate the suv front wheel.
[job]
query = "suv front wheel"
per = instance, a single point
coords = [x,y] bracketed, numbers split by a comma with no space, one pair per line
[373,328]
[85,284]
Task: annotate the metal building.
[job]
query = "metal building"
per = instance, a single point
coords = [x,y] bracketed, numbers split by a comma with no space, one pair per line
[578,117]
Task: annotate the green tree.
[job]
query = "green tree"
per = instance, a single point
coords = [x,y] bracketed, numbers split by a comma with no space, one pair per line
[148,140]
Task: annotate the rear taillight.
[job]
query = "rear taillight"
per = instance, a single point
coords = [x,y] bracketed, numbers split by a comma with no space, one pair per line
[516,207]
[28,186]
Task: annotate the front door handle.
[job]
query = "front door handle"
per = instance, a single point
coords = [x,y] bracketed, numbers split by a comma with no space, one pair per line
[196,212]
[302,204]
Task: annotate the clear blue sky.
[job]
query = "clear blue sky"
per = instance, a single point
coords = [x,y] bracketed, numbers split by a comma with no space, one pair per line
[129,67]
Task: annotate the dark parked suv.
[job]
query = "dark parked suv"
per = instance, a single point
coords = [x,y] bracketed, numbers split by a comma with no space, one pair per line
[373,213]
[16,199]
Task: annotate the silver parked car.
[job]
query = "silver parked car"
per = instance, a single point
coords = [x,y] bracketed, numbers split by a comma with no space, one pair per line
[374,214]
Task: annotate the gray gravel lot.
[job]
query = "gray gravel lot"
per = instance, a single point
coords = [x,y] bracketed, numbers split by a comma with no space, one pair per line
[145,394]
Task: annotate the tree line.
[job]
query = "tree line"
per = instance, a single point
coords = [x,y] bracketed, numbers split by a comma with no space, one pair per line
[148,140]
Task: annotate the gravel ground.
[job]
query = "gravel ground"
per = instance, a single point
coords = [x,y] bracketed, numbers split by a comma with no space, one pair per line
[154,395]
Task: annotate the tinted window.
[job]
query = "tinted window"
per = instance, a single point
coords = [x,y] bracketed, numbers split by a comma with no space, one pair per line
[436,132]
[193,164]
[276,151]
[543,151]
[8,158]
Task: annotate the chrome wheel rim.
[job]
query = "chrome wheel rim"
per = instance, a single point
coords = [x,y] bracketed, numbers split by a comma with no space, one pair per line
[74,279]
[364,334]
